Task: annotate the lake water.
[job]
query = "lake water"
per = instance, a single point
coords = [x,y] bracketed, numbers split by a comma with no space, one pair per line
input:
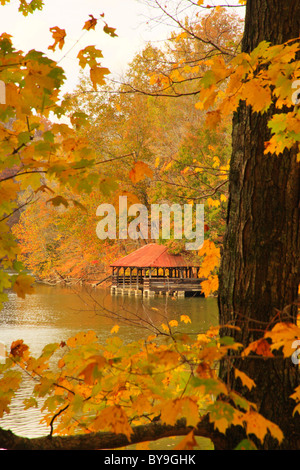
[53,314]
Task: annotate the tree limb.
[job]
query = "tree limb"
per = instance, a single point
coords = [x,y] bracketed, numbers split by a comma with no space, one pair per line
[108,440]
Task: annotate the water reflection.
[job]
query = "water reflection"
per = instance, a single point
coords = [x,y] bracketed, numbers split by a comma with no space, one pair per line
[53,314]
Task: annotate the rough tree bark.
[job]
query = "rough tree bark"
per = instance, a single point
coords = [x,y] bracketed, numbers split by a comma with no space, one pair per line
[259,272]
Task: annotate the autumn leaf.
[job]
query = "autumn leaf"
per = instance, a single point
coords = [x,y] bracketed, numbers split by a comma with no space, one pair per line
[23,285]
[258,425]
[114,419]
[246,381]
[260,347]
[97,75]
[115,329]
[222,415]
[88,372]
[89,56]
[283,335]
[82,338]
[110,31]
[18,348]
[173,410]
[91,23]
[188,442]
[58,36]
[185,319]
[139,171]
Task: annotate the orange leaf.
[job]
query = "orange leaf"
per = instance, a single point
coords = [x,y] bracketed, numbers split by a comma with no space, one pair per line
[18,348]
[113,418]
[260,347]
[88,371]
[23,285]
[90,24]
[58,36]
[249,383]
[139,171]
[97,75]
[187,443]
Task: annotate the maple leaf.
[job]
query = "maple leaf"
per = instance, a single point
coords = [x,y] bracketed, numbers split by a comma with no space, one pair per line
[173,410]
[89,56]
[115,419]
[260,347]
[258,425]
[23,285]
[188,442]
[249,383]
[18,348]
[139,171]
[91,23]
[58,36]
[115,329]
[89,371]
[110,31]
[97,75]
[185,319]
[283,335]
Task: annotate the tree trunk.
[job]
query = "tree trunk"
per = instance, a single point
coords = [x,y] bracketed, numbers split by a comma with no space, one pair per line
[259,272]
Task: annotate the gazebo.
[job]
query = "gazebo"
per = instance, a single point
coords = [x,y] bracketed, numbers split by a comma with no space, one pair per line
[152,270]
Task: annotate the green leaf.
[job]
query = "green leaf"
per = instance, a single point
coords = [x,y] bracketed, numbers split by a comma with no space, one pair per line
[246,444]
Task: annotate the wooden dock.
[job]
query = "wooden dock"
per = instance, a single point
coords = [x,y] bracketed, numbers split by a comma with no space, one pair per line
[152,270]
[159,285]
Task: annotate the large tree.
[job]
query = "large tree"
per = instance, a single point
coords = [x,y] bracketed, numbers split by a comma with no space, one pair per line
[259,277]
[259,274]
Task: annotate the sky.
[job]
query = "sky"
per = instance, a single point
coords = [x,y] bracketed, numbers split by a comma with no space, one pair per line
[133,20]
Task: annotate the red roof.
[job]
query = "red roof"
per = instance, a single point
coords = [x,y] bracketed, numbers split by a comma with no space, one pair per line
[151,256]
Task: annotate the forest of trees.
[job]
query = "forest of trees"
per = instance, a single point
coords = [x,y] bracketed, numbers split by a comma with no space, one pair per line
[211,116]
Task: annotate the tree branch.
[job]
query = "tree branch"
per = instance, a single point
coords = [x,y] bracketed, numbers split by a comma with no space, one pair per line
[107,440]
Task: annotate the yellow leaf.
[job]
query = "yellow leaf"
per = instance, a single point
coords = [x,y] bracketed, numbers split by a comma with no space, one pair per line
[283,335]
[213,202]
[210,285]
[258,425]
[173,323]
[173,410]
[249,383]
[82,338]
[115,329]
[88,372]
[185,319]
[8,190]
[199,105]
